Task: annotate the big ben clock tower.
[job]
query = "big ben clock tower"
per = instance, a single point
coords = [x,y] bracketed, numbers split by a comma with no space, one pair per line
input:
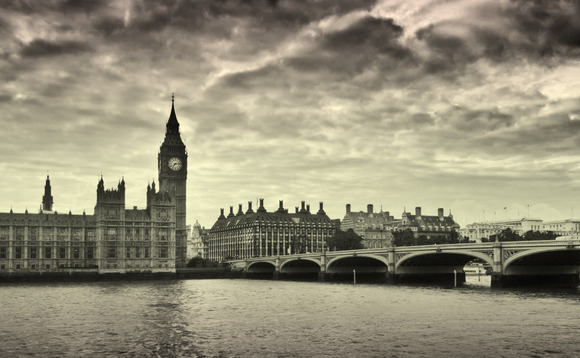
[172,167]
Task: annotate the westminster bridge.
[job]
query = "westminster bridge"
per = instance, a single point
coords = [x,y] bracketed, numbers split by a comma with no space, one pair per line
[511,263]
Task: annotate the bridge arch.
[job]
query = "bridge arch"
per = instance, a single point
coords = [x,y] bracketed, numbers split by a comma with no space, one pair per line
[261,266]
[360,263]
[451,260]
[557,260]
[376,257]
[299,265]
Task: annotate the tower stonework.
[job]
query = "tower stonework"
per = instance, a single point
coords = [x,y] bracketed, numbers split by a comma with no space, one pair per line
[47,198]
[172,168]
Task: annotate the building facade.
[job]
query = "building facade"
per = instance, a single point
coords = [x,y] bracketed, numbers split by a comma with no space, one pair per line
[114,239]
[568,228]
[428,225]
[374,228]
[484,230]
[197,242]
[262,233]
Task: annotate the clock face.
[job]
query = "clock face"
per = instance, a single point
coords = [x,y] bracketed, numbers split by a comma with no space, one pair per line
[174,164]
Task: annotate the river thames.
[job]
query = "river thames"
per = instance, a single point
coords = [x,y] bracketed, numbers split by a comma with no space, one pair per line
[253,318]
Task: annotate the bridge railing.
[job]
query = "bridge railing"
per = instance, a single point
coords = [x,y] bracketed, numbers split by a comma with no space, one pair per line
[437,247]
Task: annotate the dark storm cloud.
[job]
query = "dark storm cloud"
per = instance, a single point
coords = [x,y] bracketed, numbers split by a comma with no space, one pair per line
[549,23]
[4,26]
[537,30]
[42,48]
[217,17]
[5,97]
[368,32]
[66,6]
[108,25]
[81,5]
[285,13]
[368,41]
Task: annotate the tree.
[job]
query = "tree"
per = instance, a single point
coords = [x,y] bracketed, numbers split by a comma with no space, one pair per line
[454,237]
[508,235]
[422,240]
[537,235]
[199,261]
[404,238]
[344,240]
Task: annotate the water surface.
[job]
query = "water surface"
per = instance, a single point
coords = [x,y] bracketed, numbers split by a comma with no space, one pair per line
[251,318]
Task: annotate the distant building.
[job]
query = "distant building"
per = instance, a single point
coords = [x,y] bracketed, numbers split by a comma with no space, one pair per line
[484,230]
[197,241]
[263,233]
[564,228]
[428,225]
[374,228]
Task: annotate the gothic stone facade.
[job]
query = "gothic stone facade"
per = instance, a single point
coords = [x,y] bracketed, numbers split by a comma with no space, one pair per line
[112,240]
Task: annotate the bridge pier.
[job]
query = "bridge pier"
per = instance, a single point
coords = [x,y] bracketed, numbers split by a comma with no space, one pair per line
[322,276]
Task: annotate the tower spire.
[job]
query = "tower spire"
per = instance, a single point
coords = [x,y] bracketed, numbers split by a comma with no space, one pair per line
[47,198]
[172,124]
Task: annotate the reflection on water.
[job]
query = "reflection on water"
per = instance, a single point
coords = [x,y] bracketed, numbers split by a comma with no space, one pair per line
[244,318]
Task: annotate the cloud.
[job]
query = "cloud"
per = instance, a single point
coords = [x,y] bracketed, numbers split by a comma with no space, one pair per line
[66,6]
[42,48]
[406,103]
[538,31]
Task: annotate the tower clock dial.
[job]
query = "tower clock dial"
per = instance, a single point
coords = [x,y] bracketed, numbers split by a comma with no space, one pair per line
[174,163]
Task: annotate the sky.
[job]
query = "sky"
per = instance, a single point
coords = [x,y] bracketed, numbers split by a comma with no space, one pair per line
[471,106]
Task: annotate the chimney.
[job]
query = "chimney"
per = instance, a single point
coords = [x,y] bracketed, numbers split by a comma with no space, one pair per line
[308,208]
[296,210]
[321,210]
[231,214]
[222,214]
[370,208]
[261,209]
[418,211]
[250,211]
[240,211]
[281,207]
[348,208]
[302,207]
[440,213]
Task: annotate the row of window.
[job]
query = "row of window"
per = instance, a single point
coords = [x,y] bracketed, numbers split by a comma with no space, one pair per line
[33,266]
[47,253]
[47,233]
[76,252]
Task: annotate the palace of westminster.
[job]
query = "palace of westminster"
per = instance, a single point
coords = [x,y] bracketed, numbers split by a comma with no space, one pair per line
[118,239]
